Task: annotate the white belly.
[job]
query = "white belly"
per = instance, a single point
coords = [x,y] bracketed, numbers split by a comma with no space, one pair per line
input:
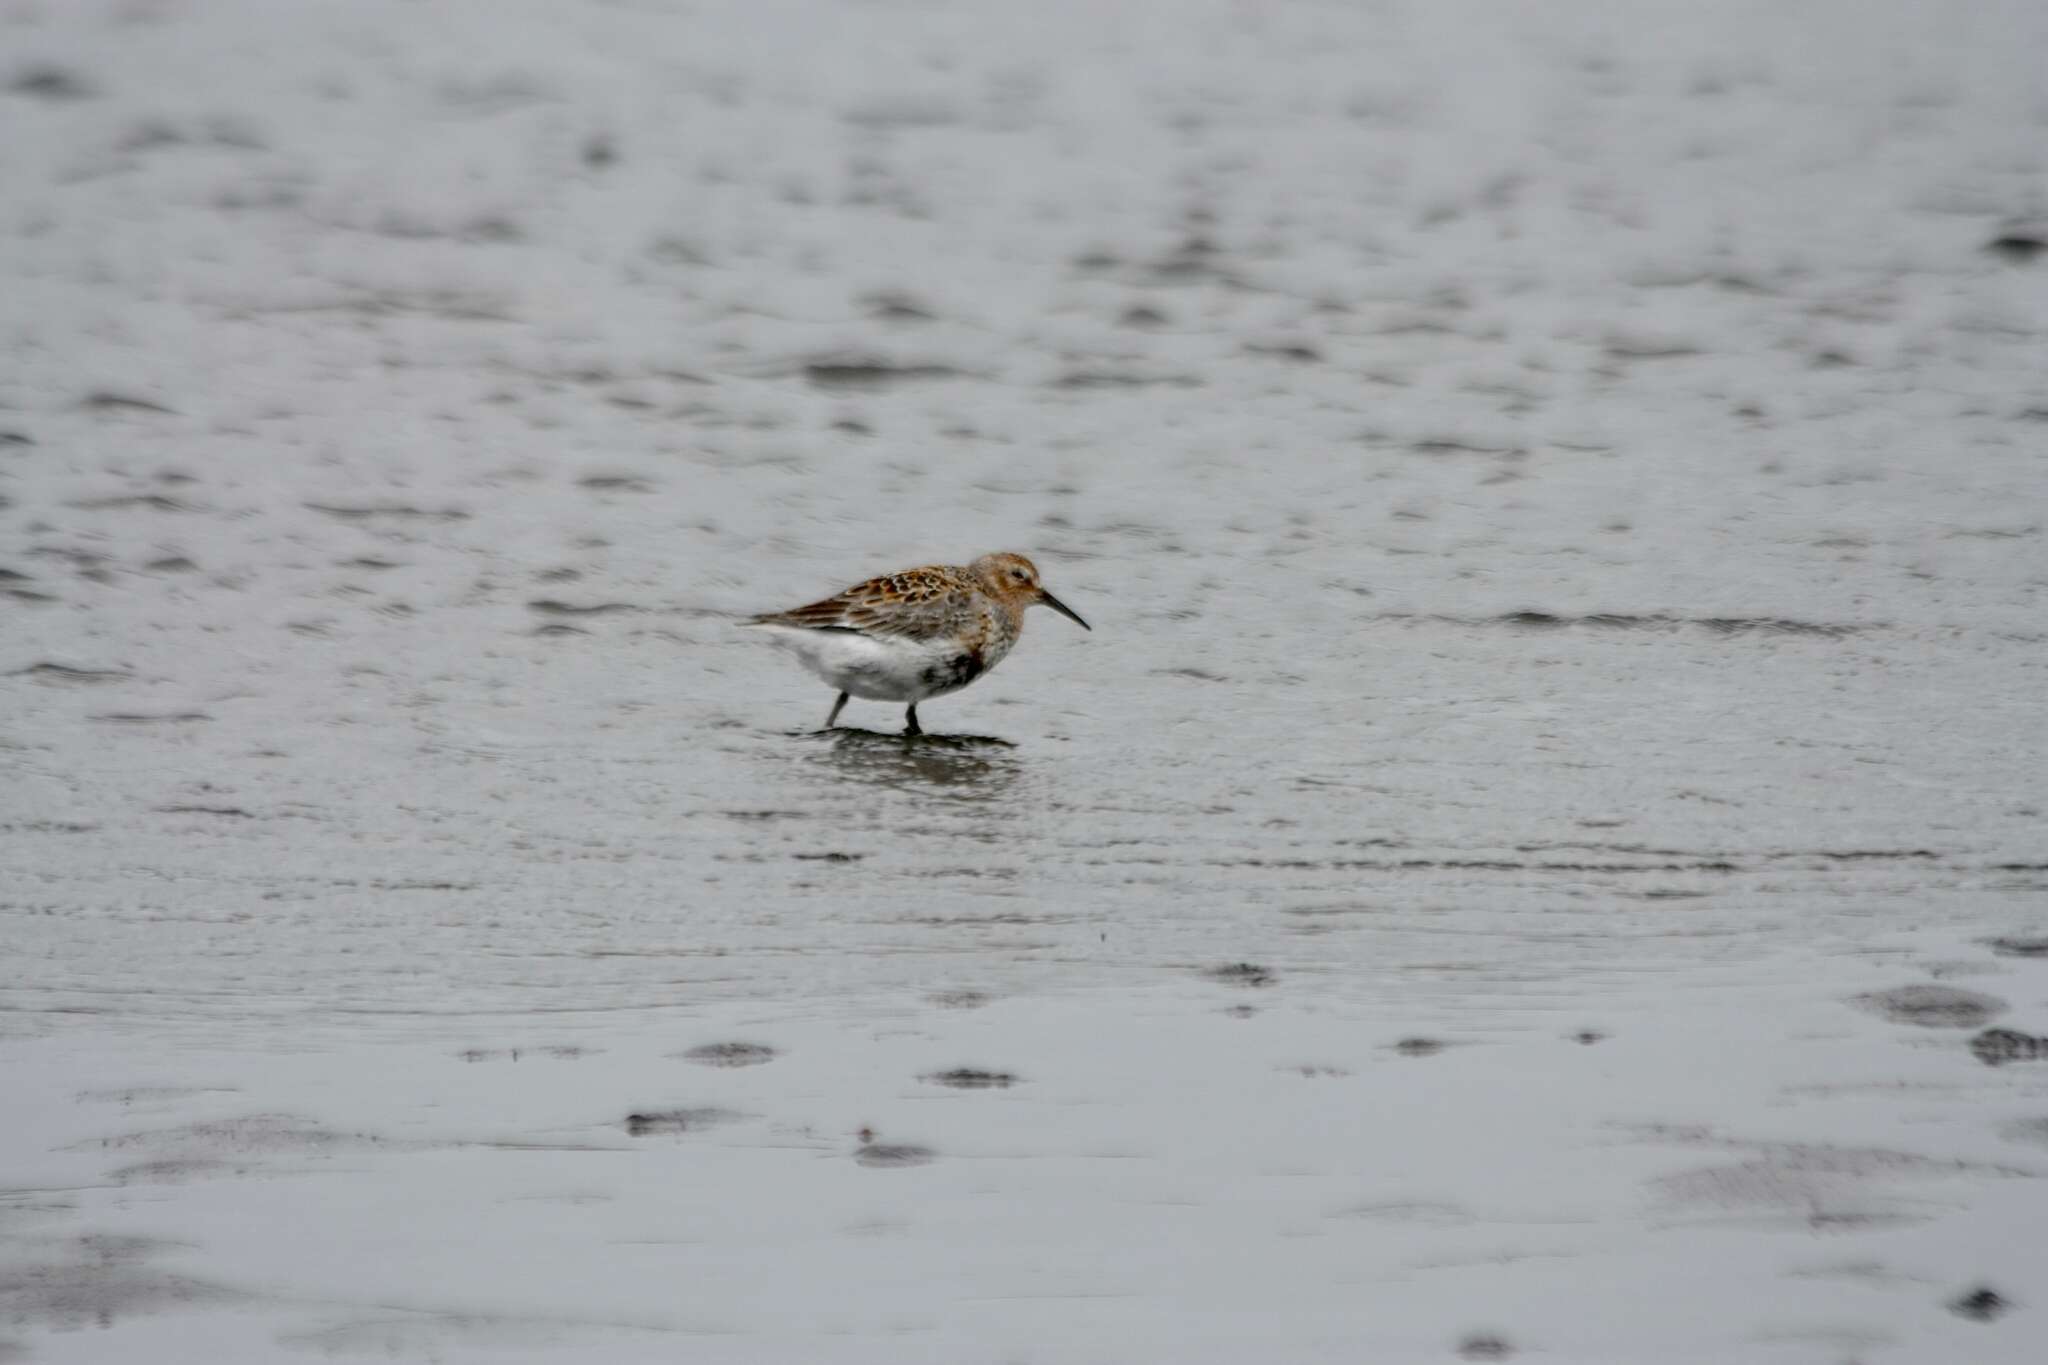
[871,667]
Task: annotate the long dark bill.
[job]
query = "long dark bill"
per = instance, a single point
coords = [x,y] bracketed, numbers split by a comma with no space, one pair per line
[1062,608]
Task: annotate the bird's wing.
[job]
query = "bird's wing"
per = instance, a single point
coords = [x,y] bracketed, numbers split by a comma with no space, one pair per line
[917,604]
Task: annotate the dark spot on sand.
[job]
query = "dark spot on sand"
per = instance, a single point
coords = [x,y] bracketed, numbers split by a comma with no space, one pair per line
[1932,1006]
[1484,1346]
[1982,1304]
[676,251]
[155,502]
[96,1280]
[2017,247]
[885,1154]
[1586,1037]
[139,718]
[48,82]
[892,306]
[660,1122]
[1459,445]
[2019,945]
[2034,1131]
[1817,1187]
[65,674]
[1193,261]
[600,152]
[1718,625]
[147,1094]
[1122,379]
[732,1054]
[1297,352]
[250,1135]
[1242,974]
[1864,855]
[971,1078]
[233,811]
[1997,1046]
[489,228]
[1420,1047]
[828,857]
[959,1000]
[548,606]
[106,400]
[172,1171]
[858,374]
[1533,620]
[171,564]
[365,512]
[561,1052]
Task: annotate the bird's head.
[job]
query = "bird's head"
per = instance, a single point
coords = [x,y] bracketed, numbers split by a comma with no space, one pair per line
[1013,578]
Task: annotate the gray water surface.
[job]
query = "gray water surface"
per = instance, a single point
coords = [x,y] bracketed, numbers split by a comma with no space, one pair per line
[1560,501]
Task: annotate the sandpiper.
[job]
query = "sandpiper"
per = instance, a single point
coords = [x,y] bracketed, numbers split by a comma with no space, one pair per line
[916,634]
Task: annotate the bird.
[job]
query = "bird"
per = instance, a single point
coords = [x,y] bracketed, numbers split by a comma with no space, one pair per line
[915,634]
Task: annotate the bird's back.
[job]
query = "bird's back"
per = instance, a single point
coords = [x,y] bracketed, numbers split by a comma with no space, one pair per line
[919,604]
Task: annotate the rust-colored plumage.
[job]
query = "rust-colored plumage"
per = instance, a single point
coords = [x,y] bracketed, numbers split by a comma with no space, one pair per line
[916,604]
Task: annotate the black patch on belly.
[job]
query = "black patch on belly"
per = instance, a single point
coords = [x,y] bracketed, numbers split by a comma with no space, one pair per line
[949,675]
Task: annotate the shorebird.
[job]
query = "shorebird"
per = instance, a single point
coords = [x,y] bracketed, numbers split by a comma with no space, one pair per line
[916,634]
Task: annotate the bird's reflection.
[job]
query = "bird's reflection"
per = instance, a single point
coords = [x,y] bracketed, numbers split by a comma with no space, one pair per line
[977,767]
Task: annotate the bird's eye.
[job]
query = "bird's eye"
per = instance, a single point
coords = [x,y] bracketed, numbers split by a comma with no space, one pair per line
[1017,574]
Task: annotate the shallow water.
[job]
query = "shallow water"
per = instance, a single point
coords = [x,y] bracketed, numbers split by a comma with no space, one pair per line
[1519,866]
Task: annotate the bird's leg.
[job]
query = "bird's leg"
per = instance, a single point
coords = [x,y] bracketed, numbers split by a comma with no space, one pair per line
[837,707]
[910,716]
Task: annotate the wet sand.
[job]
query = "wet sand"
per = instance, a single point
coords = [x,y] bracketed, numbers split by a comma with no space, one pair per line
[1541,857]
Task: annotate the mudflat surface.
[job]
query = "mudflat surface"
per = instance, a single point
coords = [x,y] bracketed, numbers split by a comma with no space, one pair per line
[1542,855]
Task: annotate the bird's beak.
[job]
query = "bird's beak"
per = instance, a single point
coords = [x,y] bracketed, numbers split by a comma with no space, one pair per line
[1062,608]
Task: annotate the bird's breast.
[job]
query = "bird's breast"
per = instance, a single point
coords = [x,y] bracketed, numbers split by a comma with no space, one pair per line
[951,672]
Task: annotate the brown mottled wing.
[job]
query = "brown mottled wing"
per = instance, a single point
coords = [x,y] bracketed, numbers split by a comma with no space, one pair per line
[917,604]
